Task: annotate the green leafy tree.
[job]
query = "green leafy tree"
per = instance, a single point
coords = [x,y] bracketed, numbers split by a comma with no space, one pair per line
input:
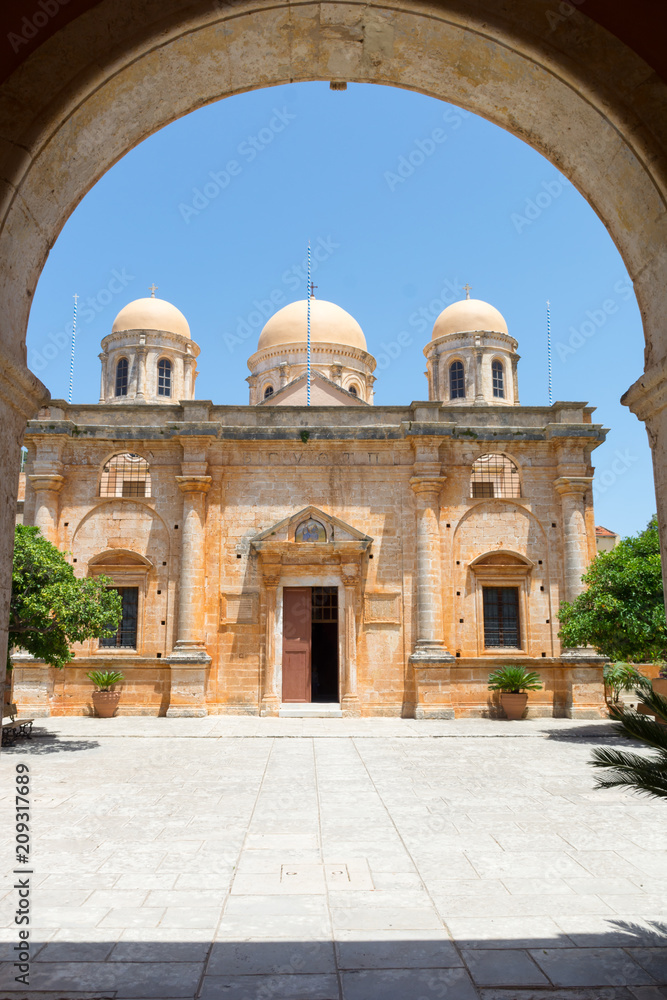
[50,608]
[622,613]
[644,774]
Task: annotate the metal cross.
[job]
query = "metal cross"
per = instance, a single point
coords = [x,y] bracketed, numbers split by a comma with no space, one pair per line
[153,289]
[76,298]
[312,290]
[467,289]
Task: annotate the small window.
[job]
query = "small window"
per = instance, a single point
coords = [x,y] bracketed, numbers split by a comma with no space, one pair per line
[126,636]
[494,476]
[310,531]
[324,604]
[457,388]
[498,374]
[501,617]
[122,372]
[268,391]
[353,390]
[126,475]
[164,377]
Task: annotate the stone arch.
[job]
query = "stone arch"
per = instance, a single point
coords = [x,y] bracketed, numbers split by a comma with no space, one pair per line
[134,521]
[579,96]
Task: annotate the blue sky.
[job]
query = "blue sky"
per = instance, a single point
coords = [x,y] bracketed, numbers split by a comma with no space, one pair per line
[408,199]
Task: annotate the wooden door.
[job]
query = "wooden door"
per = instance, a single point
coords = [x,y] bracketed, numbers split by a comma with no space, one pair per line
[296,644]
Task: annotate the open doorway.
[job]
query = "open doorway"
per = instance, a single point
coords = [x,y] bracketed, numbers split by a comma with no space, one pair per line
[310,645]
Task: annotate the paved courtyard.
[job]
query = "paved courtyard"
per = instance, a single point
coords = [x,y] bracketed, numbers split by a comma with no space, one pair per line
[284,859]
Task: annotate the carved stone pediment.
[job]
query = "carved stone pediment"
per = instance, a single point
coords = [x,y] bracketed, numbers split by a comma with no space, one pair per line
[310,536]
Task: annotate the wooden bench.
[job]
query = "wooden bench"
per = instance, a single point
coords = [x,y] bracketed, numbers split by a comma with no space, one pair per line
[13,727]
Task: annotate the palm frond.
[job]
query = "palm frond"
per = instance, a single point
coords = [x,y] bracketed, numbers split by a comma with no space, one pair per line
[646,775]
[640,727]
[656,702]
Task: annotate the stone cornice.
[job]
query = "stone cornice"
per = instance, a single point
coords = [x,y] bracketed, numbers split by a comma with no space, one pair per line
[20,389]
[648,395]
[573,485]
[194,484]
[47,482]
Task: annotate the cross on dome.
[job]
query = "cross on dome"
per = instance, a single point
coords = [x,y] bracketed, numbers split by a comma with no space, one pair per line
[467,289]
[152,289]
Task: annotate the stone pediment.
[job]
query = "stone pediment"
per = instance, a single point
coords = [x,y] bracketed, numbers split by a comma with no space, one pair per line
[308,531]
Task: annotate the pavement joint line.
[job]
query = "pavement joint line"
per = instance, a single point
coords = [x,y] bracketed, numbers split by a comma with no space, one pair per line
[339,974]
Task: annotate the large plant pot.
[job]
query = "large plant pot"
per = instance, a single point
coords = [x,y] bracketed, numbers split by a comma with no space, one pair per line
[105,703]
[514,705]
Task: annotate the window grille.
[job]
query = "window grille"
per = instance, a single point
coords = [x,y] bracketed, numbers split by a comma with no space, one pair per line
[352,390]
[324,606]
[495,476]
[498,374]
[268,391]
[126,636]
[126,475]
[501,617]
[457,387]
[164,377]
[122,373]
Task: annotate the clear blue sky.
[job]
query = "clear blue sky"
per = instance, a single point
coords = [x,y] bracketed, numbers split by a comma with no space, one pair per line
[217,210]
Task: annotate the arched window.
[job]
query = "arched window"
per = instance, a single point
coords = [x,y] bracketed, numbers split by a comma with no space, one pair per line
[457,385]
[126,475]
[310,531]
[268,391]
[498,375]
[122,372]
[164,377]
[353,390]
[495,476]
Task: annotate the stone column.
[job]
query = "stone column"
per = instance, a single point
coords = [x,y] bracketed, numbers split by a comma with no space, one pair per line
[46,489]
[349,697]
[479,388]
[284,373]
[188,380]
[515,378]
[189,659]
[104,357]
[141,353]
[252,386]
[271,701]
[430,643]
[572,491]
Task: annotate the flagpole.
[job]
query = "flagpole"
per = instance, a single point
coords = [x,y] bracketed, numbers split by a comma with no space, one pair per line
[549,383]
[309,293]
[71,360]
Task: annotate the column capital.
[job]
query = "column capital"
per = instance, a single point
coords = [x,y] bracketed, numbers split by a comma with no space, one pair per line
[193,484]
[573,485]
[48,482]
[427,485]
[648,395]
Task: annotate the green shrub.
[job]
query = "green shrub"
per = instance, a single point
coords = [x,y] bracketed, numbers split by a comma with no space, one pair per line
[514,679]
[104,680]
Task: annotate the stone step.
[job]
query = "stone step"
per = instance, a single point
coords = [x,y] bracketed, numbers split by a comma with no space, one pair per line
[311,710]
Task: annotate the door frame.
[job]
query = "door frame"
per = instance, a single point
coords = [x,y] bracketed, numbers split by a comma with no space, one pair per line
[324,580]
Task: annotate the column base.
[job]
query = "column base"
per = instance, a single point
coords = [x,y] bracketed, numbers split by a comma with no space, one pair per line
[431,652]
[350,706]
[432,663]
[270,705]
[187,697]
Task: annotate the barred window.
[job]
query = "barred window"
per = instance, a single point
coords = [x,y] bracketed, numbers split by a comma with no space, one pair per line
[501,617]
[126,636]
[126,475]
[268,391]
[498,374]
[353,390]
[122,372]
[457,387]
[324,604]
[494,476]
[164,377]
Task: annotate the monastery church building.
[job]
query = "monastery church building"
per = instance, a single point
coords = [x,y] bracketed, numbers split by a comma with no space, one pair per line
[337,558]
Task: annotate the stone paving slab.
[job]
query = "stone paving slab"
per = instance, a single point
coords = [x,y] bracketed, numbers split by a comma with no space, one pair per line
[333,859]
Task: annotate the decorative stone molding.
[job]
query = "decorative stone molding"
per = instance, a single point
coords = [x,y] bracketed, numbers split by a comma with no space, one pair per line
[382,609]
[239,608]
[20,389]
[194,484]
[648,395]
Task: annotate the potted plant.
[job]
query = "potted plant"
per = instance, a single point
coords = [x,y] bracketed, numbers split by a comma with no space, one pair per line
[619,677]
[513,682]
[105,699]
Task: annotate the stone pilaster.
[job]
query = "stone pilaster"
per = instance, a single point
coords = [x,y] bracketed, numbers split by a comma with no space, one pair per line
[429,643]
[47,488]
[140,354]
[515,358]
[349,696]
[270,700]
[479,385]
[189,659]
[104,357]
[252,386]
[572,490]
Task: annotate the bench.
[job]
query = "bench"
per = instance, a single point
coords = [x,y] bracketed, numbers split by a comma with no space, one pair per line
[13,727]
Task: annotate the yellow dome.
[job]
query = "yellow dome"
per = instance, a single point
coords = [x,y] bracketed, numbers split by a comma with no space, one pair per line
[151,314]
[328,324]
[469,316]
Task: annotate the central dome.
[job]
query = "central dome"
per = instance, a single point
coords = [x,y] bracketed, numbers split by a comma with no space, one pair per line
[328,324]
[469,316]
[151,314]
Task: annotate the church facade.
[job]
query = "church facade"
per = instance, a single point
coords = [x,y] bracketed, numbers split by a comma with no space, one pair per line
[311,553]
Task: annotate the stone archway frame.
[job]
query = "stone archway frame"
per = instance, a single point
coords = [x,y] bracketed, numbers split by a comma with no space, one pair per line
[282,561]
[578,95]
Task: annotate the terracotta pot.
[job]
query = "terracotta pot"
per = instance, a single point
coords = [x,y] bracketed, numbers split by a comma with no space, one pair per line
[514,705]
[105,703]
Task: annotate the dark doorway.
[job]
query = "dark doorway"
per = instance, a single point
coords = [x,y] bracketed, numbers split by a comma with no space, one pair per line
[324,644]
[310,644]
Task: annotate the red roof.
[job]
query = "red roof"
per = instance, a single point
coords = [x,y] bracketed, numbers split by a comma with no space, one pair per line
[604,532]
